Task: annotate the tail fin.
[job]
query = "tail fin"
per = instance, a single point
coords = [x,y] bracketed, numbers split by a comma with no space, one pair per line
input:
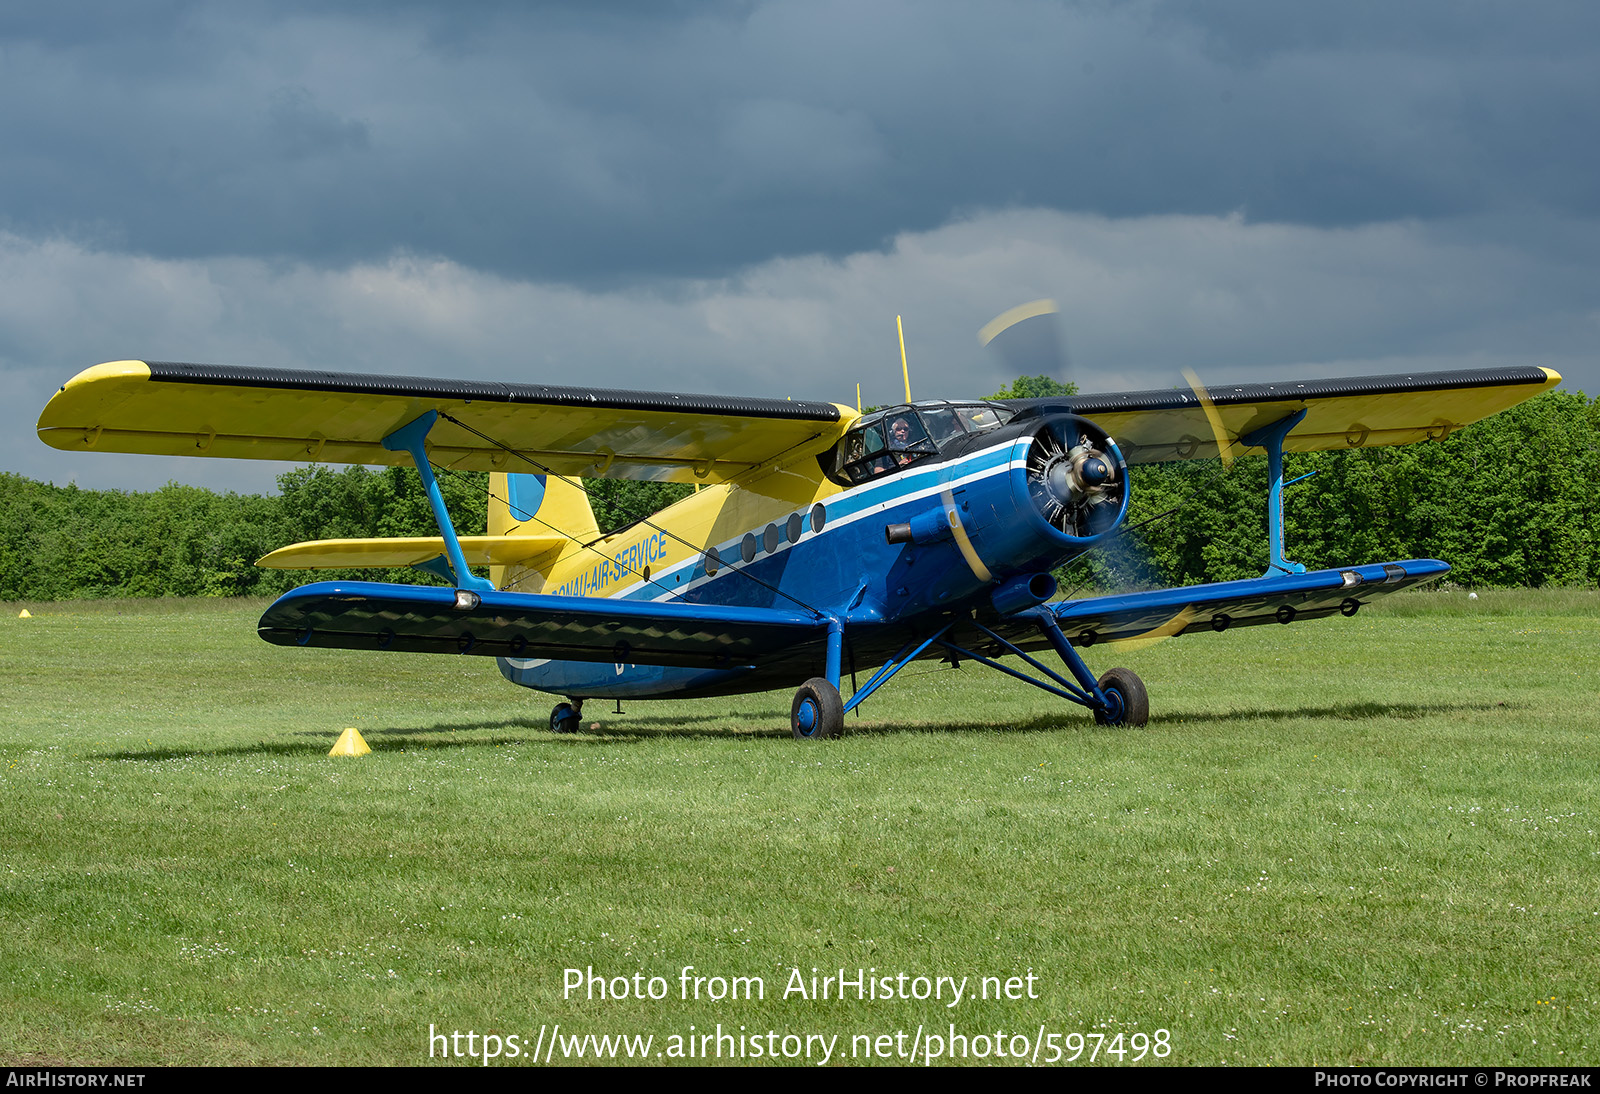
[538,505]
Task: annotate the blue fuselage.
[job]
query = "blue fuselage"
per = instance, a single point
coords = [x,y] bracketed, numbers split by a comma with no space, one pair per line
[848,570]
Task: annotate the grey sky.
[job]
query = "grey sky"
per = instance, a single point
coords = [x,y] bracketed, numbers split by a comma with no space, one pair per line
[741,196]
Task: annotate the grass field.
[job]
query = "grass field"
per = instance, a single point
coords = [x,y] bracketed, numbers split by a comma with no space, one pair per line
[1350,841]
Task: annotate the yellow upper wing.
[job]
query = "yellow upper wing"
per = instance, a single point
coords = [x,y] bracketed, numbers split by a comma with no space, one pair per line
[329,417]
[1353,412]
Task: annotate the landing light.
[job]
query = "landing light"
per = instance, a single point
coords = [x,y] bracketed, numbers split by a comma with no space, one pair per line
[1351,578]
[467,600]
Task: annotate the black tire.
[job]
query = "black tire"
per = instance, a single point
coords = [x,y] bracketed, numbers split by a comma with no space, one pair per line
[563,719]
[817,712]
[1125,692]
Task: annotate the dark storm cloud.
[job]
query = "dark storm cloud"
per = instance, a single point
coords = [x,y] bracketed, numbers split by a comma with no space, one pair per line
[646,140]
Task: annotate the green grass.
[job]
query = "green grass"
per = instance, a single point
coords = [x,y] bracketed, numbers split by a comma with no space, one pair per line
[1349,841]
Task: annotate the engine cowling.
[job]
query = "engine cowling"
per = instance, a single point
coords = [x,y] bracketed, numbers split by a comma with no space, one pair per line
[1074,479]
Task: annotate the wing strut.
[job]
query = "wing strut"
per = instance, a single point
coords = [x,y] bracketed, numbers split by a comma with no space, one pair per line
[412,438]
[1271,438]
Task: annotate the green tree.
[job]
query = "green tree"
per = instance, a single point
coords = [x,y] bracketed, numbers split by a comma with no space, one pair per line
[1034,387]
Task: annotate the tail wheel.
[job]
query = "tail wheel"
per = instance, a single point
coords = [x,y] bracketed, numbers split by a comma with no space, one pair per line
[1128,703]
[818,711]
[563,719]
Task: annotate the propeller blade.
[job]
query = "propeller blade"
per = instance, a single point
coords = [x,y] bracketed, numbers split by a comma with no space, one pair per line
[1154,635]
[1027,339]
[1224,442]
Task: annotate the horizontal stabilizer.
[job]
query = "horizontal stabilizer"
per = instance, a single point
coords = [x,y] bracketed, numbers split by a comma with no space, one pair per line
[418,619]
[1219,606]
[355,554]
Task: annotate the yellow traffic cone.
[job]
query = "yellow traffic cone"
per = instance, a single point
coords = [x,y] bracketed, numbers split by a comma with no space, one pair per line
[349,744]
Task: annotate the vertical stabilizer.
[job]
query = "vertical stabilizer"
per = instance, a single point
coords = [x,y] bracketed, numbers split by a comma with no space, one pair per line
[538,505]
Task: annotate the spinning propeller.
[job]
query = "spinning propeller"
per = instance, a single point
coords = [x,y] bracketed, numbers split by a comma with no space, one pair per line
[1075,485]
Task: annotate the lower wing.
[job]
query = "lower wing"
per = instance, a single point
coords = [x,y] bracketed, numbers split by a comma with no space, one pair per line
[1282,598]
[368,615]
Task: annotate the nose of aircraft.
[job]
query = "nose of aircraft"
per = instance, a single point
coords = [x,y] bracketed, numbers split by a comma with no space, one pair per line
[1075,477]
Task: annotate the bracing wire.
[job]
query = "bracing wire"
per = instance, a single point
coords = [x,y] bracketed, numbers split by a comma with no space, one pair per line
[695,548]
[561,532]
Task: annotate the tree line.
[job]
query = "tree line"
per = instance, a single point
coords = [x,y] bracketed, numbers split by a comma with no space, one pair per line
[1510,501]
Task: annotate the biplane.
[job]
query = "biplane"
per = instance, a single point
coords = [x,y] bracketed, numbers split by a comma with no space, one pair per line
[823,544]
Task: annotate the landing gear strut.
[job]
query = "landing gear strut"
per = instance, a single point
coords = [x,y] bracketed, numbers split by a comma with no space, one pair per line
[1118,698]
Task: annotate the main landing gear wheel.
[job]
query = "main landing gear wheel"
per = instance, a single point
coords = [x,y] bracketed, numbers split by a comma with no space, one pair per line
[817,711]
[1126,697]
[564,719]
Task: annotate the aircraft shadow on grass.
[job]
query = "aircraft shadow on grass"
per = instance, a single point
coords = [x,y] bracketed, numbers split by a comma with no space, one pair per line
[655,727]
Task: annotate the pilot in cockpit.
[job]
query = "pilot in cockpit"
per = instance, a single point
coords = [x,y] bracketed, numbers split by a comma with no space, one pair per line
[900,441]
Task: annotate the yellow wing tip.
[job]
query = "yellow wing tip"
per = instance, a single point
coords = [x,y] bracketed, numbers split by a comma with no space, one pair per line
[110,370]
[69,409]
[1551,377]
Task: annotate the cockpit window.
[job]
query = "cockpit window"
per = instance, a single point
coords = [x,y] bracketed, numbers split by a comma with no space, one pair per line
[942,424]
[886,443]
[901,436]
[979,418]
